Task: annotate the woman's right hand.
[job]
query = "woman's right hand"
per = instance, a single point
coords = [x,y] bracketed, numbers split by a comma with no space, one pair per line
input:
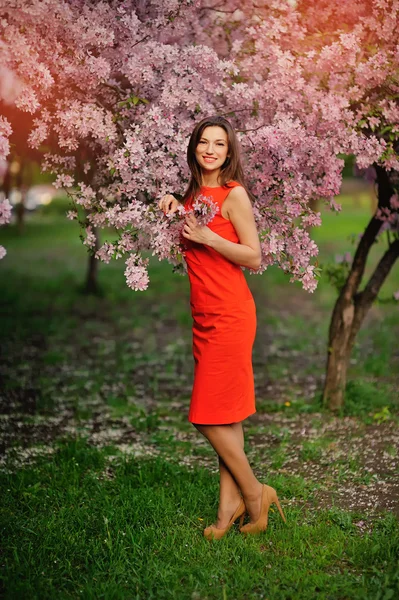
[169,204]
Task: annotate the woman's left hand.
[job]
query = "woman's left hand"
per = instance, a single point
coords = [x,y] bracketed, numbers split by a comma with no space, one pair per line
[194,232]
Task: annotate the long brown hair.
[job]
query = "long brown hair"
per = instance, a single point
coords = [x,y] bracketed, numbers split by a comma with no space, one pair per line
[231,169]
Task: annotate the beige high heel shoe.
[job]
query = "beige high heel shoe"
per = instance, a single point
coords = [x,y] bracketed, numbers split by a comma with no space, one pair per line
[269,496]
[215,533]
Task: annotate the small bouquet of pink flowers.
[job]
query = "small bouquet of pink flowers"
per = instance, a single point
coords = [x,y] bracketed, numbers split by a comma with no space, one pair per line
[204,209]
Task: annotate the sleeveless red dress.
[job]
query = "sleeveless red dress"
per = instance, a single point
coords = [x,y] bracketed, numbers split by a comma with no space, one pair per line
[224,326]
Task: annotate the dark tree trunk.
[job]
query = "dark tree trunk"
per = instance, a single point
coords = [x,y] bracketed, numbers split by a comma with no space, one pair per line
[20,211]
[352,306]
[91,284]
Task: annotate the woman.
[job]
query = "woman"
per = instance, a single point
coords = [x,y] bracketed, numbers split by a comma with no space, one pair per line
[224,319]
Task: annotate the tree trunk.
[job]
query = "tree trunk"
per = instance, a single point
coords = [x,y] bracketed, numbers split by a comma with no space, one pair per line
[352,306]
[91,284]
[20,210]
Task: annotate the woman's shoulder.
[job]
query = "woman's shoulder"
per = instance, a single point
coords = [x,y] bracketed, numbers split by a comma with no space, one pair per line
[237,189]
[233,183]
[236,193]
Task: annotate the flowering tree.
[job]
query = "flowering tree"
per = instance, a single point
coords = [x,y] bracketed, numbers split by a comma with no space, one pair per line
[115,97]
[357,60]
[114,103]
[331,69]
[114,90]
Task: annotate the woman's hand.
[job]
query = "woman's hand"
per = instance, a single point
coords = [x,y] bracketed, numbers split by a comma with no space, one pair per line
[169,204]
[195,233]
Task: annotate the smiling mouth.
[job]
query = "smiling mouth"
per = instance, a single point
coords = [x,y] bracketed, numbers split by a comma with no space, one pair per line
[209,158]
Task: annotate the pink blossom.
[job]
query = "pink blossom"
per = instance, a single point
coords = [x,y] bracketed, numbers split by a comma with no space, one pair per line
[5,132]
[10,85]
[90,238]
[5,211]
[63,180]
[127,242]
[136,273]
[106,252]
[204,209]
[389,217]
[120,118]
[27,101]
[86,196]
[312,220]
[5,217]
[39,133]
[308,280]
[394,201]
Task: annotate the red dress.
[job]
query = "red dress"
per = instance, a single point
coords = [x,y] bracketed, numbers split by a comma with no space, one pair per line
[224,326]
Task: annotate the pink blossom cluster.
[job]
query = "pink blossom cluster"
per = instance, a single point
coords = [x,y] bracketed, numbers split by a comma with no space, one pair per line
[115,89]
[204,209]
[169,242]
[90,238]
[5,217]
[136,272]
[316,80]
[389,216]
[5,211]
[5,132]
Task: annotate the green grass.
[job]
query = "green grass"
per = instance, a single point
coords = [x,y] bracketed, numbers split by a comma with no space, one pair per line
[106,487]
[82,526]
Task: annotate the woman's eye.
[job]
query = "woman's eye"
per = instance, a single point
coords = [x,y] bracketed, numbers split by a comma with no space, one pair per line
[202,142]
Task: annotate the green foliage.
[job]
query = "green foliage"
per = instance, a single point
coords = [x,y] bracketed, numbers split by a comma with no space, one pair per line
[349,163]
[362,398]
[336,274]
[383,415]
[133,101]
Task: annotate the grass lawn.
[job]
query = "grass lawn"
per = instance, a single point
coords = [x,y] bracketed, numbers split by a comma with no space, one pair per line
[106,487]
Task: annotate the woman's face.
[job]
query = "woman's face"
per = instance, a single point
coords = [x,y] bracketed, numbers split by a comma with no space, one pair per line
[212,148]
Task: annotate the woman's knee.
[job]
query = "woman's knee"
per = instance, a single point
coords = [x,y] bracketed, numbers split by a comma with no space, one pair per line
[201,428]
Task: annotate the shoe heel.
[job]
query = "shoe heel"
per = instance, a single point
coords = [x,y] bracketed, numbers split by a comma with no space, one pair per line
[280,510]
[241,520]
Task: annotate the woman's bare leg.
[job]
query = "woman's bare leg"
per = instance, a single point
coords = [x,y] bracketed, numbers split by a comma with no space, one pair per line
[229,492]
[226,441]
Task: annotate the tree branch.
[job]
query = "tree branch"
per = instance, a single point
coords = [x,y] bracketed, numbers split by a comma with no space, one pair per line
[380,273]
[365,299]
[385,192]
